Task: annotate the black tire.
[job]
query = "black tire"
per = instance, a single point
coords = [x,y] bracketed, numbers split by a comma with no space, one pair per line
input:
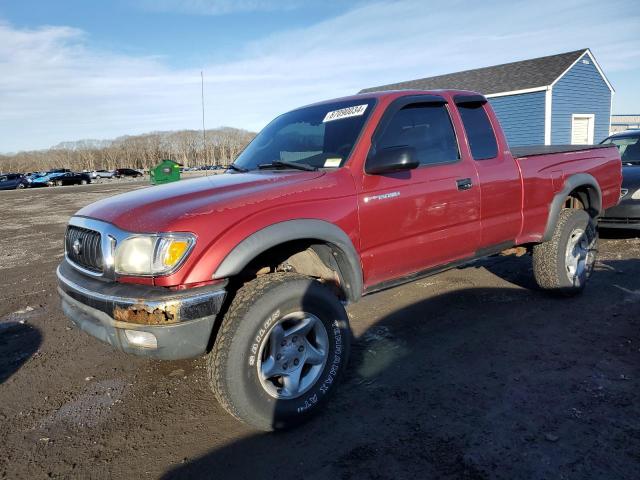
[58,183]
[20,186]
[83,182]
[551,267]
[239,349]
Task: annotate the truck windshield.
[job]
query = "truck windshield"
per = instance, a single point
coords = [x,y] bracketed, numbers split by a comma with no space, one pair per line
[320,136]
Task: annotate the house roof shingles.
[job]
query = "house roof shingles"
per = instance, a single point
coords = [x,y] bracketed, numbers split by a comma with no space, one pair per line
[508,77]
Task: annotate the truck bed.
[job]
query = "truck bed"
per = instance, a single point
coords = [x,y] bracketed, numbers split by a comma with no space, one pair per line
[545,168]
[533,150]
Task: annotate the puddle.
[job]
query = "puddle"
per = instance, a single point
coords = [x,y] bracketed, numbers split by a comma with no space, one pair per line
[92,407]
[380,350]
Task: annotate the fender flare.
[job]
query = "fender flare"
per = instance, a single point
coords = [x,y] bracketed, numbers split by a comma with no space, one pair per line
[346,255]
[571,183]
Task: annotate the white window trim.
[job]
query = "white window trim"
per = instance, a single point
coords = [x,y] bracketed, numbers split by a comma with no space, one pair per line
[592,126]
[548,99]
[610,111]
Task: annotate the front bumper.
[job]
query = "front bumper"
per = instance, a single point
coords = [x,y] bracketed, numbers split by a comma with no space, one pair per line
[625,215]
[180,321]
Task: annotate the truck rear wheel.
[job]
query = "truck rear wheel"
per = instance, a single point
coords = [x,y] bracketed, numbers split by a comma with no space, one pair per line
[565,262]
[281,348]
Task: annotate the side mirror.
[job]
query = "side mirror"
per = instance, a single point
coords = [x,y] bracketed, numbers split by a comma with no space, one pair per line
[392,159]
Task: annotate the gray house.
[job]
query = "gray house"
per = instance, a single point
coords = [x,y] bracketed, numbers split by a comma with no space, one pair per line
[554,100]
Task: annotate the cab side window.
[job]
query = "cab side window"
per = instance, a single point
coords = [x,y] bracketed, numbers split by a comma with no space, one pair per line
[426,127]
[482,139]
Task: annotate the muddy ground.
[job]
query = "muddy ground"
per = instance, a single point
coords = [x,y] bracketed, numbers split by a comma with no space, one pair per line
[469,374]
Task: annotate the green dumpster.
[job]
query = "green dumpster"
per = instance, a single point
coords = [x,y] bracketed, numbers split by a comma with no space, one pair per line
[166,171]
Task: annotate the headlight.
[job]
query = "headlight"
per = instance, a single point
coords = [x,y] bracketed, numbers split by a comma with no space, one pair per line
[152,254]
[636,195]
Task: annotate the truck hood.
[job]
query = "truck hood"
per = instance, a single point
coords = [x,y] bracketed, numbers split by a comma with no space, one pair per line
[178,206]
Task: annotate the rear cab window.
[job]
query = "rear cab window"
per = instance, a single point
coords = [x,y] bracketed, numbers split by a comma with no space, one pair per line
[482,138]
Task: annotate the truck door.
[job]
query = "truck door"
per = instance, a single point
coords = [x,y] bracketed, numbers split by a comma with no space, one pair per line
[500,186]
[416,219]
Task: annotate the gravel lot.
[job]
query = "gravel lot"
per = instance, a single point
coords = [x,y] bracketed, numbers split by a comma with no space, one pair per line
[470,374]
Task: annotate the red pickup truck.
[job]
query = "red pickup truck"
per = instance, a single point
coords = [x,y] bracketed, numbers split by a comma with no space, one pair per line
[328,203]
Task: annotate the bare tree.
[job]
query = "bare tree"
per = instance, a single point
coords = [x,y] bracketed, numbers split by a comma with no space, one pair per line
[138,151]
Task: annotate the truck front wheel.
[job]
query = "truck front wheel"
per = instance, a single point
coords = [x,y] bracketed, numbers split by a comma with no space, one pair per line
[280,350]
[565,262]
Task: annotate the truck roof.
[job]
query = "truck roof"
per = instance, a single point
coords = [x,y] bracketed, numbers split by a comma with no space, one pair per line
[395,94]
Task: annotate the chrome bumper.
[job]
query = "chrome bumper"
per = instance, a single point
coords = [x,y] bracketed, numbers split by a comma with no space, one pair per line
[148,321]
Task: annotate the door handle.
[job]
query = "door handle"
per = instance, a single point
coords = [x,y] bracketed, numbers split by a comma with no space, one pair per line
[464,184]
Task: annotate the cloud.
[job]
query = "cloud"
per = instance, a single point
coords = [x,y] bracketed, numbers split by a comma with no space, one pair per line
[219,7]
[54,87]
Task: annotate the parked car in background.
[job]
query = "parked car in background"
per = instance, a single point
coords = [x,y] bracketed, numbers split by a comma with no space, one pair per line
[102,174]
[12,181]
[40,179]
[69,178]
[627,213]
[127,172]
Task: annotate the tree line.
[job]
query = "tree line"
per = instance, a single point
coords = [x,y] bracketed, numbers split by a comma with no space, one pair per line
[220,146]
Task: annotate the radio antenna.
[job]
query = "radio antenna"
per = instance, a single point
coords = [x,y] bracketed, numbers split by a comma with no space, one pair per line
[204,140]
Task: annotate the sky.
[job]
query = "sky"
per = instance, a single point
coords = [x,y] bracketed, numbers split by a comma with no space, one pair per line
[77,69]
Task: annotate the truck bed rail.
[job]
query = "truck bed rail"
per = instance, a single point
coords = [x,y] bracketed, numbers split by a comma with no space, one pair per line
[533,150]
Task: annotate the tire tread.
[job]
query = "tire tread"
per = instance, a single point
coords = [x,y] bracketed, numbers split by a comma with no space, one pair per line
[546,268]
[240,305]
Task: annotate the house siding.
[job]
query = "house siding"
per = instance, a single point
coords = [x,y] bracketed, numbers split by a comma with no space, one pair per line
[521,117]
[581,90]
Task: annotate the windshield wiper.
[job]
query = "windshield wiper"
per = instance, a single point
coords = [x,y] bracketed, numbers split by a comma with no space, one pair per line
[237,169]
[287,164]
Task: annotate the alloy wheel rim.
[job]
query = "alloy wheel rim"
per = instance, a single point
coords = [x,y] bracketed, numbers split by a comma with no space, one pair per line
[577,256]
[292,355]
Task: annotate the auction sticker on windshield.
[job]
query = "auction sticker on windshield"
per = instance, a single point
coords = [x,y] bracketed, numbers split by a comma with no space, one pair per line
[354,111]
[332,162]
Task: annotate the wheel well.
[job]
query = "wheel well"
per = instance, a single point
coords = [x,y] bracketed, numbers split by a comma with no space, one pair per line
[580,191]
[584,198]
[315,258]
[318,259]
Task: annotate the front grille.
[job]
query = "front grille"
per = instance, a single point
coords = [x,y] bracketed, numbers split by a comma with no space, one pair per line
[84,248]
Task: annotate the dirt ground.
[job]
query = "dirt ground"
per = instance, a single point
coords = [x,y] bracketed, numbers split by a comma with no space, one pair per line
[469,374]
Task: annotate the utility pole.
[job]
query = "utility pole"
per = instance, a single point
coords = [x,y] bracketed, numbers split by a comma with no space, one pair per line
[204,140]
